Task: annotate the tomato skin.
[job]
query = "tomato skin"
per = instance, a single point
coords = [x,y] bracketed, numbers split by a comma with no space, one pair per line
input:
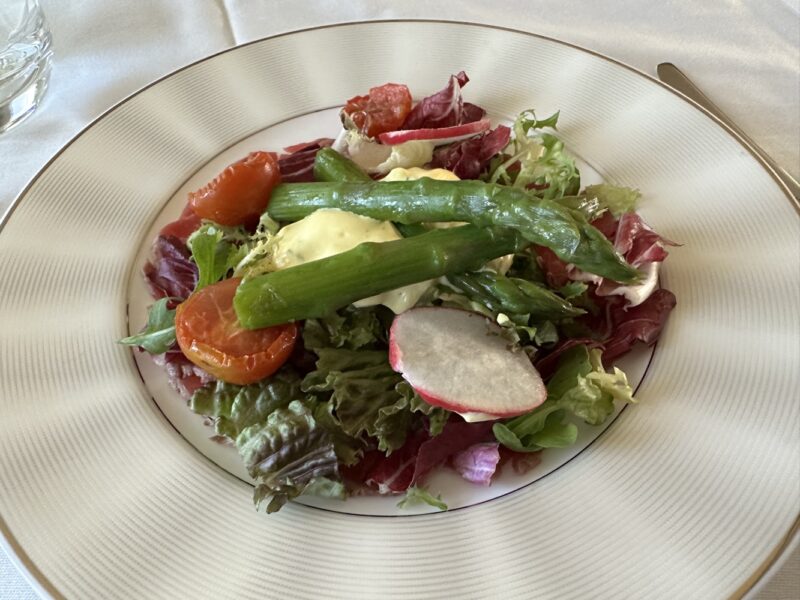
[210,336]
[383,109]
[240,193]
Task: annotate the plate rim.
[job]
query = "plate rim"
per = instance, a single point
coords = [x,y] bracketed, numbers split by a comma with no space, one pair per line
[14,550]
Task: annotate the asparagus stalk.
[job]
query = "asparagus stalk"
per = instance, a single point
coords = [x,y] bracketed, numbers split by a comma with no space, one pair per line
[513,296]
[542,222]
[317,288]
[329,165]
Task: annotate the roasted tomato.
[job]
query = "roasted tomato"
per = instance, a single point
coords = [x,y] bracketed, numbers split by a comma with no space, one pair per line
[210,335]
[383,109]
[240,193]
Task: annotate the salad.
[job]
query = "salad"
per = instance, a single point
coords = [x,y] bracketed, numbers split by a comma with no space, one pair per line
[425,291]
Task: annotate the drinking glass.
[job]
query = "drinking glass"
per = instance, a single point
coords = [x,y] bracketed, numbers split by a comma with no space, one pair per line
[25,57]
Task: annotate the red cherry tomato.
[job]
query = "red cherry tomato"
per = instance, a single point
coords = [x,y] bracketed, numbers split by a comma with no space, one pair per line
[240,193]
[384,109]
[210,336]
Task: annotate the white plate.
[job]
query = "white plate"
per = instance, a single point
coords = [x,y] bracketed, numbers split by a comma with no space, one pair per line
[690,494]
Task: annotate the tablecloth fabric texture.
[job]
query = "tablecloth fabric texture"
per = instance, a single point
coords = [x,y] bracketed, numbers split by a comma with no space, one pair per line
[744,54]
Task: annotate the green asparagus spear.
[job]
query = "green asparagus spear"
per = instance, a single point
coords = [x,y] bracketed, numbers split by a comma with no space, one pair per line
[329,165]
[542,222]
[317,288]
[411,230]
[509,295]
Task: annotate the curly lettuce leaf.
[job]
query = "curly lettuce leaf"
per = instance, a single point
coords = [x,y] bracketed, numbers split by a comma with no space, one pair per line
[419,495]
[437,417]
[158,335]
[580,387]
[573,289]
[256,253]
[288,455]
[617,199]
[528,121]
[351,328]
[348,449]
[537,161]
[368,397]
[361,383]
[236,407]
[216,250]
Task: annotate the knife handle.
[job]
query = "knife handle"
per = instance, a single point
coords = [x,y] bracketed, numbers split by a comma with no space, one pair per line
[674,77]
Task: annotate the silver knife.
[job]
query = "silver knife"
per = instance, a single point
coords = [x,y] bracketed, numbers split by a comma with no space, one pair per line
[673,77]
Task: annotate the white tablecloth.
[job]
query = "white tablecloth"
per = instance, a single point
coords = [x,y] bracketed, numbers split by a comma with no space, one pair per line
[744,54]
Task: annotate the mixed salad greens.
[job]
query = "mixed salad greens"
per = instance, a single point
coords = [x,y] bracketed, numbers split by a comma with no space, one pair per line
[424,291]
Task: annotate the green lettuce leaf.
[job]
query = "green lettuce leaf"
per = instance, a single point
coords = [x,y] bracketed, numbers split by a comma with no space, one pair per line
[437,417]
[367,396]
[525,266]
[543,164]
[418,495]
[327,488]
[580,387]
[348,449]
[256,252]
[361,383]
[350,327]
[546,333]
[158,335]
[528,121]
[236,407]
[616,199]
[216,250]
[574,289]
[288,455]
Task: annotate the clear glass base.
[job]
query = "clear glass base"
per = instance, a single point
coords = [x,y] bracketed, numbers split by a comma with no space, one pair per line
[24,65]
[16,109]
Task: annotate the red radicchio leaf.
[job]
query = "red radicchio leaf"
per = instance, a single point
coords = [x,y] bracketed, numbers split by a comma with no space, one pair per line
[171,272]
[313,144]
[478,463]
[298,164]
[555,269]
[602,323]
[445,108]
[456,436]
[607,224]
[183,226]
[183,375]
[417,457]
[521,462]
[640,323]
[546,365]
[638,243]
[393,473]
[471,112]
[470,157]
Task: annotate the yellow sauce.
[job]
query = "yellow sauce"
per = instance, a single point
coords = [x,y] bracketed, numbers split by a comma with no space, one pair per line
[418,173]
[330,231]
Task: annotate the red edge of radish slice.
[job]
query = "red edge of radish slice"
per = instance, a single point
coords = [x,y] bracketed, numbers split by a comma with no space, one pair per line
[458,360]
[439,136]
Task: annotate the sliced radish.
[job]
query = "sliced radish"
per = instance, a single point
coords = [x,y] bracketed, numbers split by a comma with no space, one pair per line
[439,136]
[460,361]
